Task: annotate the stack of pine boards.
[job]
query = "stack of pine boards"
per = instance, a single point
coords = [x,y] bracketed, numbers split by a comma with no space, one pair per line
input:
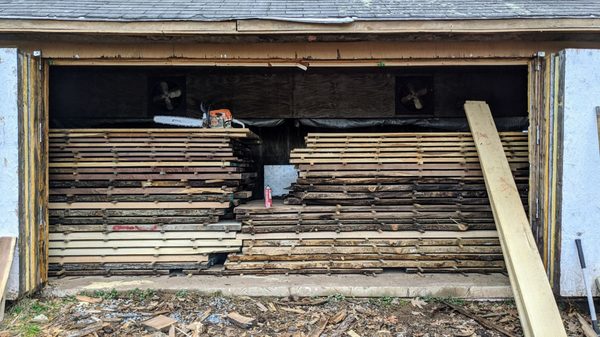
[145,201]
[368,202]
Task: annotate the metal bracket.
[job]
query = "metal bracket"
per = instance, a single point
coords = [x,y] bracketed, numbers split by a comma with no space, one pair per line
[38,54]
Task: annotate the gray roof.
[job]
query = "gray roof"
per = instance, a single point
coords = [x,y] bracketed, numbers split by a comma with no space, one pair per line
[295,10]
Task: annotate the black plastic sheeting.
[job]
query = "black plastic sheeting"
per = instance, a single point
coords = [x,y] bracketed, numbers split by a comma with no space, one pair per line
[445,124]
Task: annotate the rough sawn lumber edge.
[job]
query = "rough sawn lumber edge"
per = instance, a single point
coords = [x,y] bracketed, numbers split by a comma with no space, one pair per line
[535,301]
[7,250]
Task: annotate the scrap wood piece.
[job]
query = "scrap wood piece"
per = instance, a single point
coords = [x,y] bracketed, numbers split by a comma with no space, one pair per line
[335,319]
[241,321]
[306,302]
[344,326]
[261,306]
[486,323]
[87,330]
[159,323]
[294,310]
[87,299]
[587,329]
[7,250]
[535,301]
[318,329]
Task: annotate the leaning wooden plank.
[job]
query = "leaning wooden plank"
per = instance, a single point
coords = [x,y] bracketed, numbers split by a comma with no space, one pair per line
[7,250]
[536,304]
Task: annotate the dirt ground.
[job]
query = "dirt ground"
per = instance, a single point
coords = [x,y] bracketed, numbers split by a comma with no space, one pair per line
[109,313]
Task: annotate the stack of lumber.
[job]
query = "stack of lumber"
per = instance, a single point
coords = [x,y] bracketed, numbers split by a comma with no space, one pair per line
[365,203]
[398,169]
[145,201]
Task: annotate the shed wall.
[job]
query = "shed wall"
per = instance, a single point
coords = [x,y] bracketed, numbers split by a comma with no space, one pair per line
[9,156]
[580,73]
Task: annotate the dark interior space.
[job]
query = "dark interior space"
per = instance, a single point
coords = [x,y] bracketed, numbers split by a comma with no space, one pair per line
[115,96]
[282,105]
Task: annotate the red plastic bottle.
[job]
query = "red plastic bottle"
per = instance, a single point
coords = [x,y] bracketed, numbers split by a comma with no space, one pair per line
[268,197]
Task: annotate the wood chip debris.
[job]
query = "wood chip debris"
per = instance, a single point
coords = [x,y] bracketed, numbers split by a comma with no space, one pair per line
[240,320]
[159,323]
[87,299]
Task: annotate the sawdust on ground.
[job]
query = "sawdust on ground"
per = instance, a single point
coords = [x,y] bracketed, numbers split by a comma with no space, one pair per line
[109,313]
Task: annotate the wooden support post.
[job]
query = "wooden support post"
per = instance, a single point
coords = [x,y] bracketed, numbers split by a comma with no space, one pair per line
[535,301]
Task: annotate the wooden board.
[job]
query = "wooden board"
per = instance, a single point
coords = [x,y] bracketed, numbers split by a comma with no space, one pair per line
[140,236]
[535,301]
[371,235]
[151,259]
[139,251]
[7,250]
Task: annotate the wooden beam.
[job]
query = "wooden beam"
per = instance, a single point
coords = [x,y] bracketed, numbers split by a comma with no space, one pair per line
[7,250]
[311,54]
[535,301]
[285,27]
[287,64]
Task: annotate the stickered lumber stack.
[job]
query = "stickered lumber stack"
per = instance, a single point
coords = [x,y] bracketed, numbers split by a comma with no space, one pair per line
[145,201]
[370,202]
[398,169]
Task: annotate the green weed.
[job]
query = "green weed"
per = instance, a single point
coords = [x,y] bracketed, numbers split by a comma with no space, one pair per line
[450,300]
[181,293]
[336,298]
[30,330]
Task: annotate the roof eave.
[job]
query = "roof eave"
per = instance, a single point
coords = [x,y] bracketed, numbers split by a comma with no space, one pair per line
[284,26]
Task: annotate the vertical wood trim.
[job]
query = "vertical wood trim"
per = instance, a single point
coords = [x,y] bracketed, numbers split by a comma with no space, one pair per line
[556,196]
[546,167]
[44,170]
[33,179]
[25,174]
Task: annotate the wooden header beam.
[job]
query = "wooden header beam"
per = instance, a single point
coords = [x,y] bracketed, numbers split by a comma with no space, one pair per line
[239,27]
[534,298]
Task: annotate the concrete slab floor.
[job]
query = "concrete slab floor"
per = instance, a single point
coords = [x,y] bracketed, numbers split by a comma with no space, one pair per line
[472,286]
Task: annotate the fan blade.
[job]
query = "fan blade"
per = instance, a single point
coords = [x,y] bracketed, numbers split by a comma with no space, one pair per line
[406,99]
[164,87]
[168,103]
[175,93]
[418,104]
[422,92]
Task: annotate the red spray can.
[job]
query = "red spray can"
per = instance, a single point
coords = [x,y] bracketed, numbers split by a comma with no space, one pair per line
[268,197]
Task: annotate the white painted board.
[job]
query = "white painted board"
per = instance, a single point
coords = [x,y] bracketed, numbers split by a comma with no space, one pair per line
[580,211]
[279,178]
[9,156]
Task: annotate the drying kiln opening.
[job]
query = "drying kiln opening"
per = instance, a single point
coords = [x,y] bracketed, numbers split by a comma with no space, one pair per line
[372,169]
